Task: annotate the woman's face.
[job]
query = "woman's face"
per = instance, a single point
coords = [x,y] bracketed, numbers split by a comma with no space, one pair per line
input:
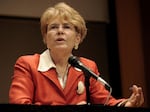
[61,35]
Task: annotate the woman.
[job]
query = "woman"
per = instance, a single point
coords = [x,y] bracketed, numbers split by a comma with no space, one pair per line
[48,78]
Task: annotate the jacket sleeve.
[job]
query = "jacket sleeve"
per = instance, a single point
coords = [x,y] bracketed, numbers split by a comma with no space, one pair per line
[22,87]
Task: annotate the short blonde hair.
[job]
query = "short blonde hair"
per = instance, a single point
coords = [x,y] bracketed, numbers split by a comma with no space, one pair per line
[66,13]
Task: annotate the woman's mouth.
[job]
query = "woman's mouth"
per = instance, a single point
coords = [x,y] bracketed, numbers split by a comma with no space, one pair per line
[60,39]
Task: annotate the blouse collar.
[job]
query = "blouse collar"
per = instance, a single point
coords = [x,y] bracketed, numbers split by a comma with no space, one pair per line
[46,62]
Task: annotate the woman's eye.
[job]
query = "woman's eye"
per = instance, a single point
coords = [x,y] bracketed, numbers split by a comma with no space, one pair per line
[67,27]
[53,27]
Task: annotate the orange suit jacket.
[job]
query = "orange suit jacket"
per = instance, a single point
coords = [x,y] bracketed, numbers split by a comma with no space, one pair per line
[30,86]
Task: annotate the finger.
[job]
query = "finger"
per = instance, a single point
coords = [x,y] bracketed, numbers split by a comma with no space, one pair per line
[141,97]
[135,89]
[137,100]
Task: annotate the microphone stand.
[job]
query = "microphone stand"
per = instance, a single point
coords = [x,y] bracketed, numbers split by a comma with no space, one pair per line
[87,84]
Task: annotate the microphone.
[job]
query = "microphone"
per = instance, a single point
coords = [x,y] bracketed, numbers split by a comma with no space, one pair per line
[74,61]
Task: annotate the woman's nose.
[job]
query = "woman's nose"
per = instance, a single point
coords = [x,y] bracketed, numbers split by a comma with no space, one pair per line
[60,30]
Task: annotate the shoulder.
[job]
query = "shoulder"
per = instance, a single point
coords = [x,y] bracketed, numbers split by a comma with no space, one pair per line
[91,64]
[87,62]
[28,59]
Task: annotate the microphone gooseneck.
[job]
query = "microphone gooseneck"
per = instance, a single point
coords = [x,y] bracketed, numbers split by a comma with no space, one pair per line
[74,61]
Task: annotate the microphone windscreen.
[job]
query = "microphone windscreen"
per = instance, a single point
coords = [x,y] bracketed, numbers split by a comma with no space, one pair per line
[73,60]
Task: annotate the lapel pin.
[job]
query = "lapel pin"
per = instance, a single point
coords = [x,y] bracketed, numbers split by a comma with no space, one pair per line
[80,88]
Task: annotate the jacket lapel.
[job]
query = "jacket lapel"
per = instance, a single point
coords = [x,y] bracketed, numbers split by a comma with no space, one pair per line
[73,76]
[51,75]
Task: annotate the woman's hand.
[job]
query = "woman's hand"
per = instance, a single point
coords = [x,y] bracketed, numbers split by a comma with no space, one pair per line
[136,99]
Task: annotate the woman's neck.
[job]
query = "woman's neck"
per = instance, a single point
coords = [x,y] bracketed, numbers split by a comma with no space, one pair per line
[60,58]
[61,62]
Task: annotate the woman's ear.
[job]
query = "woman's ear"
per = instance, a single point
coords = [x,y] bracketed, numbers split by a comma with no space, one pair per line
[77,41]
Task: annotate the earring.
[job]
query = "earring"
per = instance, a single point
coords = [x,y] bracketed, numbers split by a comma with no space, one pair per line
[76,46]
